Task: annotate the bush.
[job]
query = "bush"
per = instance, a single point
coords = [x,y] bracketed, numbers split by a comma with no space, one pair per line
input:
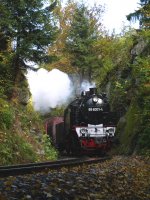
[144,131]
[14,149]
[6,114]
[50,152]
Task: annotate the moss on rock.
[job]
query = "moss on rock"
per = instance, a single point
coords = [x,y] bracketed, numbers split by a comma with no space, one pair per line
[127,130]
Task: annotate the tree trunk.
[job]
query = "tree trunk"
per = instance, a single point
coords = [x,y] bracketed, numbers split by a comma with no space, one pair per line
[17,75]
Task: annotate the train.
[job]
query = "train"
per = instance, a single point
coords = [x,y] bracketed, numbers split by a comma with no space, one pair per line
[88,125]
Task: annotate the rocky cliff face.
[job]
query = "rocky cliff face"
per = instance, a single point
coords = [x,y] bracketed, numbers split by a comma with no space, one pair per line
[129,92]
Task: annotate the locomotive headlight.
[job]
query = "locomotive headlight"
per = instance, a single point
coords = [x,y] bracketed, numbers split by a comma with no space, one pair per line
[100,101]
[95,99]
[83,130]
[110,131]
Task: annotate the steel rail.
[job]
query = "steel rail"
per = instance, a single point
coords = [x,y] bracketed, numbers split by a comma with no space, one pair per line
[15,170]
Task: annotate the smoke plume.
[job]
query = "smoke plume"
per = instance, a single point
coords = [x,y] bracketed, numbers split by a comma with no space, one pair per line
[49,89]
[85,85]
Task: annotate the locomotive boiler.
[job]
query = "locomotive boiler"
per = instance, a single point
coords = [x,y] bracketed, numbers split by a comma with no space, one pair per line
[89,125]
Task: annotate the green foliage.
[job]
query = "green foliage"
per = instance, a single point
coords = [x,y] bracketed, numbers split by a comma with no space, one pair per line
[142,14]
[144,131]
[113,53]
[26,30]
[141,72]
[141,75]
[29,25]
[82,34]
[31,120]
[21,135]
[106,59]
[50,152]
[6,73]
[14,149]
[6,114]
[130,97]
[128,130]
[119,98]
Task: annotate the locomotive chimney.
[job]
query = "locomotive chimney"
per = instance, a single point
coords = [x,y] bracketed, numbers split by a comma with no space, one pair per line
[93,91]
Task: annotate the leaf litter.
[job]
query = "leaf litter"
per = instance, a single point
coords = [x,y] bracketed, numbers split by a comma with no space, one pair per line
[125,178]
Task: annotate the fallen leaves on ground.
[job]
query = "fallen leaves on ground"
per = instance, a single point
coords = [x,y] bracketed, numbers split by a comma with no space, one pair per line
[125,178]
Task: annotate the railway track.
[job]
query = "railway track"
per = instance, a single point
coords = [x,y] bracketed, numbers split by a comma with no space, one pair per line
[22,169]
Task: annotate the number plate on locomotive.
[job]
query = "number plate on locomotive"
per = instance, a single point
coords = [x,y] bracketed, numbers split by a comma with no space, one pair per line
[95,109]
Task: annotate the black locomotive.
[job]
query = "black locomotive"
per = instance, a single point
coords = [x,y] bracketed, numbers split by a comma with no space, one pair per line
[89,125]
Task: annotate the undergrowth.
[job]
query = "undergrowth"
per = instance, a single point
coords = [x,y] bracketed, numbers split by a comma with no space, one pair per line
[22,135]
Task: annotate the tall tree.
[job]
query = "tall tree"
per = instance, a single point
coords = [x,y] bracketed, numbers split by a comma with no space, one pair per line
[30,27]
[143,14]
[84,31]
[64,16]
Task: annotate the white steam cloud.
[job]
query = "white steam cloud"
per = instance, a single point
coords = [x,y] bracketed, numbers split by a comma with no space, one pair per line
[86,85]
[49,89]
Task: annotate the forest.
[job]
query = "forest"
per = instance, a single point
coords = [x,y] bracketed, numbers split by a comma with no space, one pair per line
[71,38]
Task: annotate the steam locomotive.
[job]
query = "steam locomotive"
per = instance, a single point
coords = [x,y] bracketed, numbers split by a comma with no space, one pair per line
[88,125]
